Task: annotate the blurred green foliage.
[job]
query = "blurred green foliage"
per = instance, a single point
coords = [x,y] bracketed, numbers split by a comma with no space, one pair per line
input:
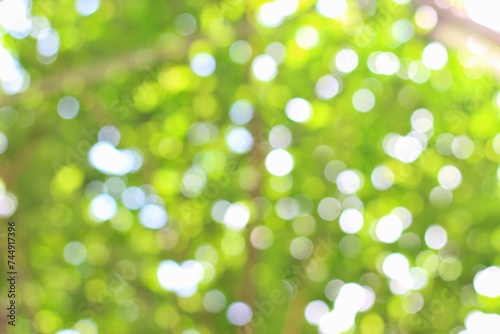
[131,65]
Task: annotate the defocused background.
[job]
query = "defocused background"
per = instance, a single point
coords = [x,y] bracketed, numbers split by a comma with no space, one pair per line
[236,166]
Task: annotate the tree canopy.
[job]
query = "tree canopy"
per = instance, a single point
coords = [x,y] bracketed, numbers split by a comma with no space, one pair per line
[236,166]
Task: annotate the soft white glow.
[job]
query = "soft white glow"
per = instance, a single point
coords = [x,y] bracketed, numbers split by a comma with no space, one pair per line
[153,216]
[329,208]
[484,12]
[269,16]
[301,248]
[279,162]
[8,204]
[109,160]
[486,282]
[203,64]
[48,42]
[4,142]
[15,17]
[75,253]
[462,147]
[277,51]
[262,237]
[386,63]
[68,107]
[307,38]
[280,137]
[298,110]
[478,322]
[435,56]
[436,237]
[402,30]
[449,177]
[348,182]
[422,120]
[264,68]
[351,221]
[426,17]
[382,177]
[193,182]
[395,265]
[404,214]
[103,207]
[87,7]
[241,112]
[182,279]
[315,310]
[237,216]
[406,149]
[239,140]
[239,313]
[327,87]
[346,60]
[389,229]
[133,198]
[331,8]
[440,197]
[363,100]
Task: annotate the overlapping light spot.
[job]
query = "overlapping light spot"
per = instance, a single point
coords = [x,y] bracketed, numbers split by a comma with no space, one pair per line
[352,298]
[363,100]
[462,147]
[385,63]
[193,182]
[327,87]
[402,30]
[153,216]
[110,160]
[435,56]
[133,198]
[346,60]
[239,140]
[329,208]
[203,64]
[4,142]
[351,221]
[449,177]
[8,203]
[382,177]
[298,110]
[426,17]
[477,322]
[87,7]
[183,279]
[280,137]
[272,14]
[237,216]
[241,112]
[277,51]
[301,248]
[331,9]
[315,310]
[279,162]
[349,181]
[103,207]
[13,77]
[264,68]
[486,282]
[389,228]
[440,197]
[307,37]
[422,120]
[262,237]
[405,148]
